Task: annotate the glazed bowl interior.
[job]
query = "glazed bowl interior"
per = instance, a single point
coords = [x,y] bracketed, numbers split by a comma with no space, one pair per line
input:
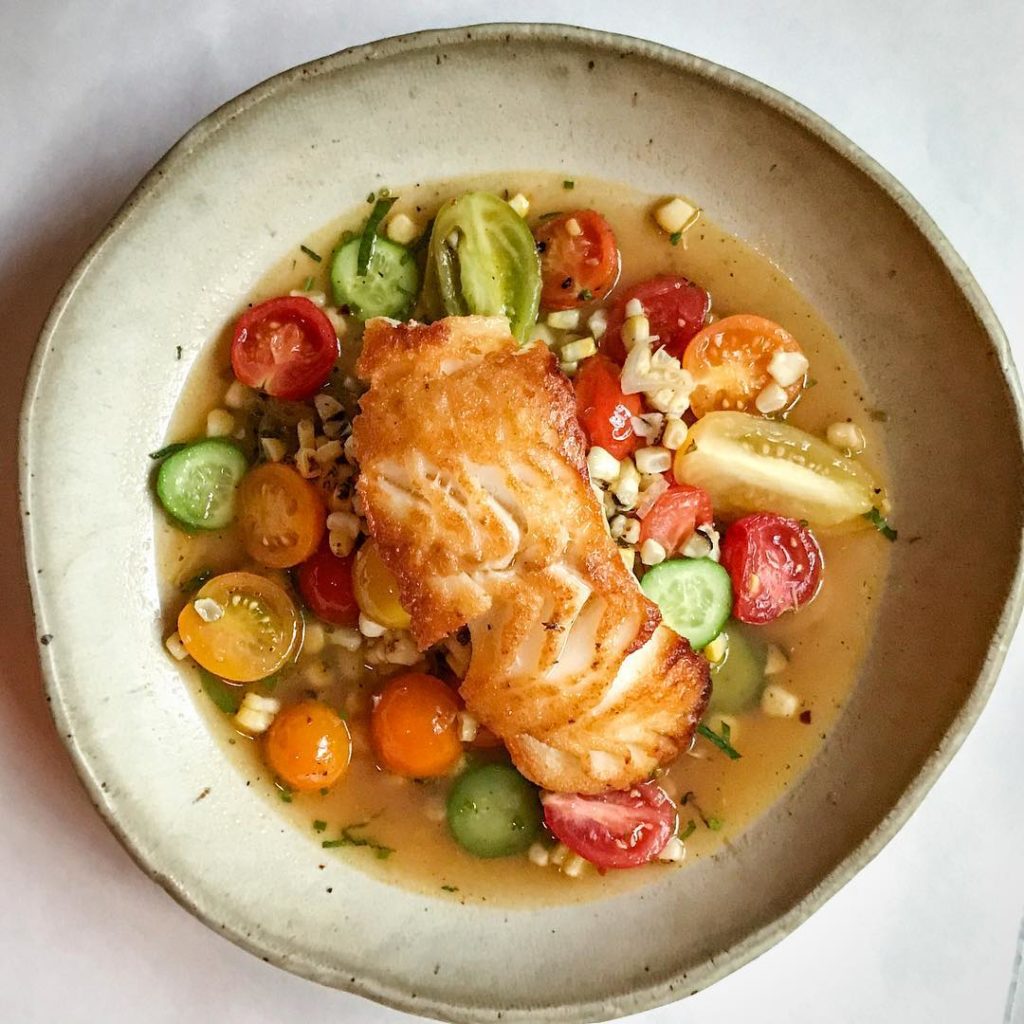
[251,182]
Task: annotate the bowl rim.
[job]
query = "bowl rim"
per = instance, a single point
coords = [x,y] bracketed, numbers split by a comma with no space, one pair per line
[758,942]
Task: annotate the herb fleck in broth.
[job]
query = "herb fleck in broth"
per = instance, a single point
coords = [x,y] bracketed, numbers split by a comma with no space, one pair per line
[396,828]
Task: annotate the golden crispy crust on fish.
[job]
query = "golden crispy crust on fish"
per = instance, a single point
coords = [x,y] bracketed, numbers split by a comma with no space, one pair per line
[474,482]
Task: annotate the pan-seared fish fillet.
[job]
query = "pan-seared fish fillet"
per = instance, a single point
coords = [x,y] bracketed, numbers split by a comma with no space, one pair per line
[474,481]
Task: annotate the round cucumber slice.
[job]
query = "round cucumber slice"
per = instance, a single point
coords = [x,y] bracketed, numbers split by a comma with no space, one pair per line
[737,681]
[389,286]
[493,811]
[197,485]
[694,595]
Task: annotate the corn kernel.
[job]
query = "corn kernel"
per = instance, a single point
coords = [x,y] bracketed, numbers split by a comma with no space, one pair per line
[581,348]
[778,702]
[675,433]
[219,423]
[520,204]
[676,215]
[846,435]
[653,460]
[652,552]
[564,319]
[602,465]
[403,229]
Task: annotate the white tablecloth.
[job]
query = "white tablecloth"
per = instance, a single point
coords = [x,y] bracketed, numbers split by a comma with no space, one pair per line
[91,94]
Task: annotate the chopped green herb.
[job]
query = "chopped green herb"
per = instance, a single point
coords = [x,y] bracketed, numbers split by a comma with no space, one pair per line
[450,888]
[726,731]
[691,827]
[811,382]
[550,214]
[568,184]
[324,791]
[384,192]
[881,524]
[878,415]
[169,449]
[715,824]
[370,198]
[675,237]
[312,255]
[319,826]
[192,585]
[285,795]
[308,286]
[804,523]
[380,851]
[177,349]
[377,214]
[585,295]
[722,742]
[220,693]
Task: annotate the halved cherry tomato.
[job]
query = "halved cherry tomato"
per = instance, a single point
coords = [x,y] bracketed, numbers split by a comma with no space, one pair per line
[286,347]
[576,265]
[308,746]
[775,565]
[604,412]
[376,589]
[613,830]
[674,306]
[414,726]
[325,583]
[240,626]
[729,362]
[282,516]
[672,519]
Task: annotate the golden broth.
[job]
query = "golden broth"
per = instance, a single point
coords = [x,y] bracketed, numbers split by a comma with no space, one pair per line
[825,641]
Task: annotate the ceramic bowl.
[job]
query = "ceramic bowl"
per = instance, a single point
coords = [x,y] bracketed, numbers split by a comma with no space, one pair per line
[252,180]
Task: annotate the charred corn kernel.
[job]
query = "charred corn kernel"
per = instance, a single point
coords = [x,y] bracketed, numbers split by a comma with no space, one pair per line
[564,319]
[403,229]
[602,465]
[631,531]
[176,647]
[341,542]
[580,348]
[306,433]
[772,398]
[846,435]
[634,308]
[716,650]
[627,486]
[350,450]
[256,713]
[398,648]
[616,526]
[539,854]
[654,459]
[369,628]
[346,638]
[520,204]
[273,448]
[306,464]
[634,330]
[652,552]
[574,866]
[786,368]
[673,852]
[778,702]
[219,423]
[675,433]
[237,396]
[313,638]
[329,452]
[775,660]
[675,215]
[327,407]
[468,727]
[598,323]
[333,429]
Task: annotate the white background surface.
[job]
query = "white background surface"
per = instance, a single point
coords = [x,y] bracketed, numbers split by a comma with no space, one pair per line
[91,94]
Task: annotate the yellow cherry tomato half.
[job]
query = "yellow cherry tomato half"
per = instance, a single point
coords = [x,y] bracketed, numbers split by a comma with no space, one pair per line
[240,626]
[414,727]
[376,589]
[729,362]
[308,746]
[282,516]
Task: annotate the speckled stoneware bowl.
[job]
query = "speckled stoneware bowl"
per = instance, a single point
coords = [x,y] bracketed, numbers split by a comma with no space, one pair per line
[255,178]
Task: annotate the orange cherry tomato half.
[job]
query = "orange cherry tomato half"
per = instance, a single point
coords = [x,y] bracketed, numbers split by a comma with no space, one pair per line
[604,412]
[282,516]
[414,726]
[325,583]
[729,362]
[308,746]
[672,519]
[240,626]
[579,258]
[286,347]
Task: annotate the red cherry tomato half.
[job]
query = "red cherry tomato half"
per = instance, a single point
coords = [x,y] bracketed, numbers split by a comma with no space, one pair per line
[672,519]
[675,307]
[775,565]
[325,583]
[613,830]
[579,258]
[285,347]
[604,412]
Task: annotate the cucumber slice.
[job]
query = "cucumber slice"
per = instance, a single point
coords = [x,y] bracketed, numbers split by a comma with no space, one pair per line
[493,811]
[389,286]
[694,595]
[737,681]
[749,464]
[197,485]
